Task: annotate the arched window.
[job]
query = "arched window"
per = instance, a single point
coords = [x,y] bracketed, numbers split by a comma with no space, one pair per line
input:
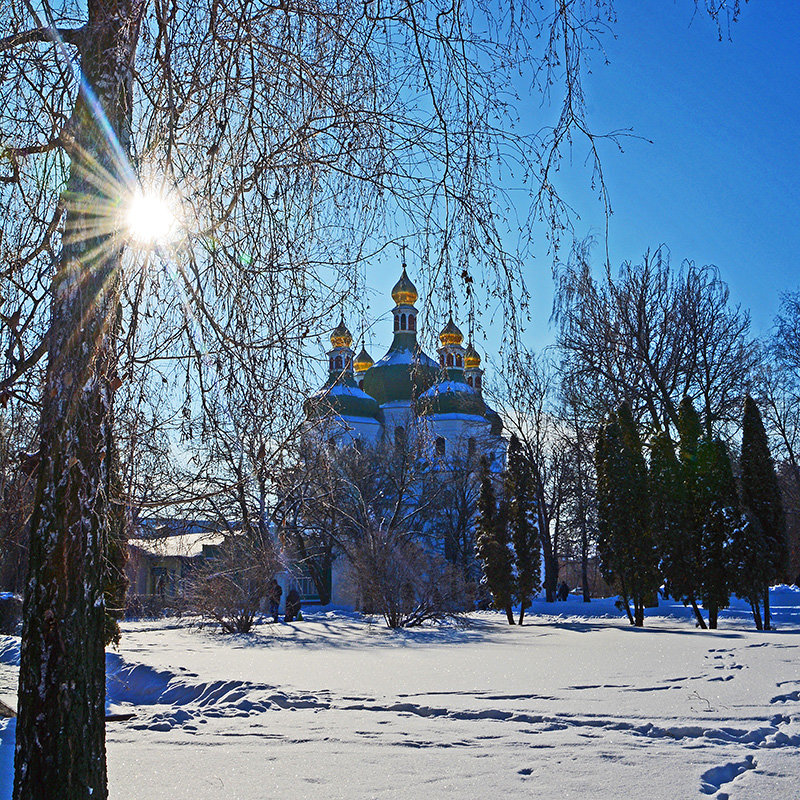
[399,437]
[402,322]
[470,381]
[449,359]
[477,381]
[397,322]
[412,322]
[459,361]
[331,363]
[361,384]
[338,362]
[441,446]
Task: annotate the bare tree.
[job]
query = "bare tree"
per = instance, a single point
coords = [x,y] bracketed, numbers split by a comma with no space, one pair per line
[526,399]
[231,586]
[652,334]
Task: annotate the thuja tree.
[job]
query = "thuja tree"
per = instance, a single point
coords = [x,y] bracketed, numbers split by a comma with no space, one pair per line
[683,550]
[626,546]
[672,523]
[522,526]
[717,518]
[493,548]
[761,496]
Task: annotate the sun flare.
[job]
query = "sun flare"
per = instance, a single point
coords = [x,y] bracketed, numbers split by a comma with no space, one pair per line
[150,219]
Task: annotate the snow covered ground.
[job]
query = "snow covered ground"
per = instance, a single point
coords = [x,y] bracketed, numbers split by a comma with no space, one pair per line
[577,704]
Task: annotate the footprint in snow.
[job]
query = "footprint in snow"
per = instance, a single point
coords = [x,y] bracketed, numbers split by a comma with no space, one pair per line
[712,780]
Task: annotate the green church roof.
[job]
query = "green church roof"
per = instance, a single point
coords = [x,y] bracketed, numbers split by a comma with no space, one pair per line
[405,372]
[343,398]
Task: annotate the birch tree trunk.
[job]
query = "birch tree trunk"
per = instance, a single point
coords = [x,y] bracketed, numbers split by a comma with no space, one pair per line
[60,746]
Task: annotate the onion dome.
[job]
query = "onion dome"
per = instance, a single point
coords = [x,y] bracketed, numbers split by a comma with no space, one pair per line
[341,398]
[451,334]
[452,397]
[363,361]
[404,292]
[471,358]
[341,337]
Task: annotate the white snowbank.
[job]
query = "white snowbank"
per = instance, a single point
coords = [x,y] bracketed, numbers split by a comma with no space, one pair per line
[576,703]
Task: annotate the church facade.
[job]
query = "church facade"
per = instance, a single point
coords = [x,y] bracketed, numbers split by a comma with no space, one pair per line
[407,397]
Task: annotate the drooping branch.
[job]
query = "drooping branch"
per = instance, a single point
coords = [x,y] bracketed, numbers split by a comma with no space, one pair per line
[72,36]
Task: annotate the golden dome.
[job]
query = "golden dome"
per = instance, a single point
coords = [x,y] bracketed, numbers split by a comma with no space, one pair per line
[362,361]
[341,337]
[471,358]
[404,292]
[451,334]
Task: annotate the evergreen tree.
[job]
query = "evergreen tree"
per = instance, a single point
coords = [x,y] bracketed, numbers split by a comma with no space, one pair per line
[690,429]
[682,560]
[672,523]
[523,531]
[761,495]
[492,545]
[625,544]
[717,518]
[750,570]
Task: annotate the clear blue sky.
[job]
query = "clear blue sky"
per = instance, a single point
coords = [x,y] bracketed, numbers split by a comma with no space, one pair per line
[720,182]
[716,173]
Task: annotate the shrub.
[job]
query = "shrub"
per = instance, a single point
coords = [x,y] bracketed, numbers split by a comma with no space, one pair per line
[231,587]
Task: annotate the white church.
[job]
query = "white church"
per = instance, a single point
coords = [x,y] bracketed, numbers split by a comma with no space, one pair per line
[406,396]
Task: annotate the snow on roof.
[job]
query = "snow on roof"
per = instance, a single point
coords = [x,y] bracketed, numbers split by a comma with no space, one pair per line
[443,387]
[358,420]
[457,415]
[404,357]
[187,545]
[340,390]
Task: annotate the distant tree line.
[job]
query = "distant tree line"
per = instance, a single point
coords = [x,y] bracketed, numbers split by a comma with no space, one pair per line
[649,428]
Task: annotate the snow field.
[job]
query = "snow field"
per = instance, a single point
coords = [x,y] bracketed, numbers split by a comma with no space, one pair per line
[574,704]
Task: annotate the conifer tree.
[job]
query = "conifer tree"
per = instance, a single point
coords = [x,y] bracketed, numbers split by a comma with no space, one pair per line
[690,429]
[762,497]
[682,563]
[672,523]
[523,531]
[750,569]
[717,517]
[626,546]
[492,545]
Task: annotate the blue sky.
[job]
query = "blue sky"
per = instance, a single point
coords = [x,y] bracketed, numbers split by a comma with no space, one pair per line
[716,173]
[719,182]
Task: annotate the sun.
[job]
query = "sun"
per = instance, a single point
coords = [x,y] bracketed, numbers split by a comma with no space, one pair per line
[150,218]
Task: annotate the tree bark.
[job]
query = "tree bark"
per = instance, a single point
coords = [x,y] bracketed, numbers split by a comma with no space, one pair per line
[701,623]
[757,615]
[767,620]
[713,613]
[510,615]
[60,734]
[550,566]
[638,613]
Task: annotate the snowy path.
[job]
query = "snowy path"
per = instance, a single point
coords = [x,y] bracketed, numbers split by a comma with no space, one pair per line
[563,707]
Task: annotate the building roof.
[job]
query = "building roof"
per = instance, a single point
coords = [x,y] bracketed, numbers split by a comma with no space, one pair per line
[343,398]
[185,545]
[405,372]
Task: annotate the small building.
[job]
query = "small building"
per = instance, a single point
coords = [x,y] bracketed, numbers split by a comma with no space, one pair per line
[165,552]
